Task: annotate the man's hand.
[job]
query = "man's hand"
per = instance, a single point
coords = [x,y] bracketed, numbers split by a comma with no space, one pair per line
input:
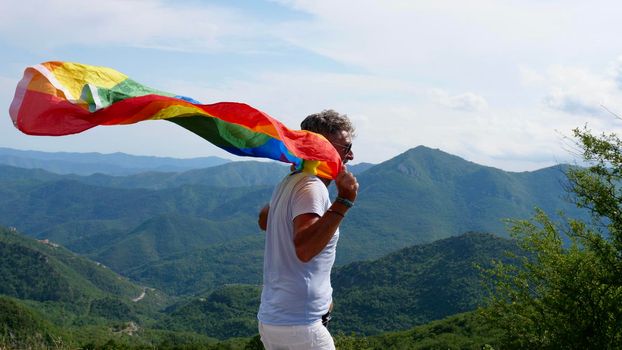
[347,186]
[262,221]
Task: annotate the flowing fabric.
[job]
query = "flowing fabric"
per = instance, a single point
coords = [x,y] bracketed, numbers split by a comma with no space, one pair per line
[62,98]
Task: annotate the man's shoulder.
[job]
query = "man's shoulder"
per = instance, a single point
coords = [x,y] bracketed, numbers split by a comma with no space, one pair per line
[301,177]
[301,182]
[305,179]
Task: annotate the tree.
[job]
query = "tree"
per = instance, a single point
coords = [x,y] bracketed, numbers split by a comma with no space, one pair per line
[565,292]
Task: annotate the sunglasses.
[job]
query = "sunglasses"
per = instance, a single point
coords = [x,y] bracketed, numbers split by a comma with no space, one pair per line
[346,148]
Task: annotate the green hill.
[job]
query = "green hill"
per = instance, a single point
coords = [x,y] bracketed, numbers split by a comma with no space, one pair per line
[23,328]
[168,235]
[97,220]
[414,285]
[228,312]
[40,270]
[203,270]
[411,287]
[213,216]
[67,288]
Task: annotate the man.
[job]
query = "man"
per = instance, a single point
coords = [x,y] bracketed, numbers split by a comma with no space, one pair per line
[302,229]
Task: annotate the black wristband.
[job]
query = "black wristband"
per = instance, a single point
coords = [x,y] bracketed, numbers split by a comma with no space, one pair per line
[346,202]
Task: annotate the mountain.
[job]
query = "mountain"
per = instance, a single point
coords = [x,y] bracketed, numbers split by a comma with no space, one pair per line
[158,234]
[69,211]
[91,163]
[424,194]
[359,168]
[234,174]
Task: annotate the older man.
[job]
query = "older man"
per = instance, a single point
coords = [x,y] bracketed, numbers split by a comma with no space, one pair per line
[302,230]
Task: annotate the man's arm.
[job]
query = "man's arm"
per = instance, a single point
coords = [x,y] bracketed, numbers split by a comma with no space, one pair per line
[313,232]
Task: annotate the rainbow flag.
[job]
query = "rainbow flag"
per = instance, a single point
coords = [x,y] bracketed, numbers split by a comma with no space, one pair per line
[62,98]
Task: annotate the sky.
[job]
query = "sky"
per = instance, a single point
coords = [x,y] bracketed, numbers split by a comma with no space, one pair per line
[501,83]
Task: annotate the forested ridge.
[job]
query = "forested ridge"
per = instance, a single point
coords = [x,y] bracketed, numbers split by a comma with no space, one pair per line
[99,315]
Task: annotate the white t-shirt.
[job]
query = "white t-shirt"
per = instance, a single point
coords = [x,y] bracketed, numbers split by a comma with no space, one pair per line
[294,292]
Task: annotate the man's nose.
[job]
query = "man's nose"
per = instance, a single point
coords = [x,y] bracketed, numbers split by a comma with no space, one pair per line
[350,155]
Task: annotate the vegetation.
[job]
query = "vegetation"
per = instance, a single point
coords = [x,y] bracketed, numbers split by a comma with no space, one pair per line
[567,292]
[228,312]
[462,331]
[25,274]
[201,271]
[22,328]
[101,314]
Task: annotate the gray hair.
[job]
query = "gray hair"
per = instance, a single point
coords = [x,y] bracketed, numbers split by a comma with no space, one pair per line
[327,122]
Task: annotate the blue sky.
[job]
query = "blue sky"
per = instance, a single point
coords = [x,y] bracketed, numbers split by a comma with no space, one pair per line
[497,82]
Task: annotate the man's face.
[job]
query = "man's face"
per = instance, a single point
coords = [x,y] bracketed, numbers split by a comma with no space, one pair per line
[342,141]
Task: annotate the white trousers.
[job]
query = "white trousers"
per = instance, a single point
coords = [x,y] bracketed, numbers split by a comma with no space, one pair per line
[305,337]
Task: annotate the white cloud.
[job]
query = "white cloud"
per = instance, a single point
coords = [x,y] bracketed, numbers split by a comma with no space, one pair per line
[468,101]
[529,77]
[580,91]
[573,103]
[290,95]
[136,23]
[412,116]
[403,35]
[617,72]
